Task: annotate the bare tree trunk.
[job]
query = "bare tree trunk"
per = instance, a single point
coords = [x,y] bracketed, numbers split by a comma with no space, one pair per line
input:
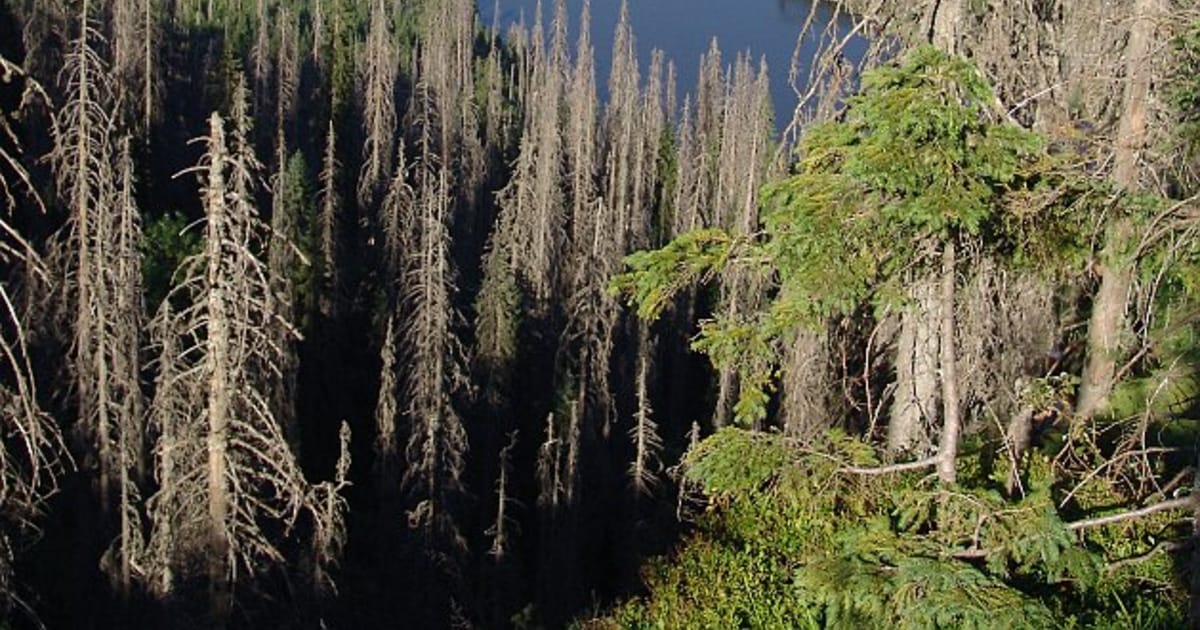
[1107,324]
[951,414]
[1106,327]
[914,407]
[946,23]
[149,35]
[805,385]
[217,406]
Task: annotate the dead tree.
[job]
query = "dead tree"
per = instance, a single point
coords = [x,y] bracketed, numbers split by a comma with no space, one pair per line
[31,449]
[122,336]
[644,469]
[377,88]
[287,73]
[227,479]
[100,264]
[530,204]
[327,278]
[437,440]
[260,57]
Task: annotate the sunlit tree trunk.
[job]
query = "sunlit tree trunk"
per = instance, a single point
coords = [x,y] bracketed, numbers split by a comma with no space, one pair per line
[951,411]
[1107,325]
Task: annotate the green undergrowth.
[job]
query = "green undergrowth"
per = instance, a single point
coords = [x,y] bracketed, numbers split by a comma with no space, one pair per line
[790,538]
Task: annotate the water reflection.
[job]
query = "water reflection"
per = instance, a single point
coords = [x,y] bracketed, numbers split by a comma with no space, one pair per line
[684,29]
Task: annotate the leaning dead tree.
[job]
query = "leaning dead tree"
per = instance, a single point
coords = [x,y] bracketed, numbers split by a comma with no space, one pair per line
[31,446]
[229,486]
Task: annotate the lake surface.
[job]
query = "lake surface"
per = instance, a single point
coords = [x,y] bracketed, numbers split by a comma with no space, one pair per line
[684,29]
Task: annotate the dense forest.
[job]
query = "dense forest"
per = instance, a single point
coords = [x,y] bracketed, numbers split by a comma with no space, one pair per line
[363,313]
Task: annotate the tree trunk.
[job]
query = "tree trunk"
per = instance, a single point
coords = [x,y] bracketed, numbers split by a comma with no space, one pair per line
[1020,428]
[217,361]
[945,24]
[1107,324]
[951,422]
[804,386]
[218,426]
[916,397]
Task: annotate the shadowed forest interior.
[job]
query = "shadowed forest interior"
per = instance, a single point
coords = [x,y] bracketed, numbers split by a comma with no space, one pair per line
[372,313]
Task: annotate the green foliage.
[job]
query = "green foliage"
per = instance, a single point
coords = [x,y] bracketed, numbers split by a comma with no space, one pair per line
[737,463]
[794,539]
[916,592]
[656,277]
[166,242]
[920,159]
[298,201]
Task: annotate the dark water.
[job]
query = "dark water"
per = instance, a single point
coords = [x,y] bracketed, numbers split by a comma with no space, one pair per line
[684,29]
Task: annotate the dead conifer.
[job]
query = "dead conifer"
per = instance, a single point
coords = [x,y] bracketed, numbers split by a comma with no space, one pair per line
[377,88]
[226,475]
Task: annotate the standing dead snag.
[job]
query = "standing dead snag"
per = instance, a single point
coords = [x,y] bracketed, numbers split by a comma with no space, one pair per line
[644,432]
[327,285]
[226,475]
[135,31]
[530,205]
[501,529]
[100,267]
[123,340]
[437,442]
[31,445]
[379,107]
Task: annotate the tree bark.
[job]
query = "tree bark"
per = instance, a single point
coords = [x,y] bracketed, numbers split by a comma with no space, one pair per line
[916,397]
[1020,427]
[1107,324]
[951,422]
[945,24]
[216,371]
